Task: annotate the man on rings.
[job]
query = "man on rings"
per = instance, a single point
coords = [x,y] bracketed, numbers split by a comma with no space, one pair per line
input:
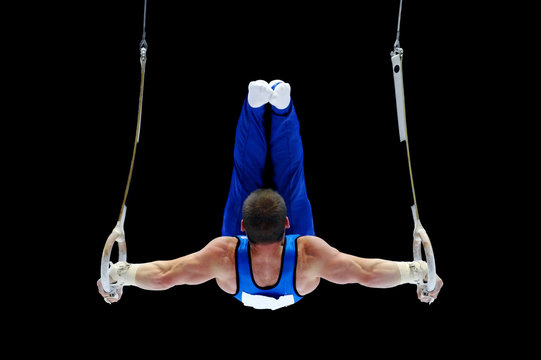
[278,260]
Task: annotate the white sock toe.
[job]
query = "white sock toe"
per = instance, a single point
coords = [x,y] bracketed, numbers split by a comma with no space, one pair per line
[259,93]
[281,96]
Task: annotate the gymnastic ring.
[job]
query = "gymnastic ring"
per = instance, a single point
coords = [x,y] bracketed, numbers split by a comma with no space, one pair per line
[117,236]
[420,237]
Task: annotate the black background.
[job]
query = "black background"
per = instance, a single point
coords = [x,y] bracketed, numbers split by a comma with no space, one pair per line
[85,79]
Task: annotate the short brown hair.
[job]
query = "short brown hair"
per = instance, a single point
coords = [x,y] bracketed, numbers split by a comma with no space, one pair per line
[264,216]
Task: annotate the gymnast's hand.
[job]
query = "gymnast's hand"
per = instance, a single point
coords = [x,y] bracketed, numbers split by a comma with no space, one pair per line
[110,298]
[431,295]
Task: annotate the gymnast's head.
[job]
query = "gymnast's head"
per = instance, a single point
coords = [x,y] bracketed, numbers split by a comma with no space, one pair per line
[264,217]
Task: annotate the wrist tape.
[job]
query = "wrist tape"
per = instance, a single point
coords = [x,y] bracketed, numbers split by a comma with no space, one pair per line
[123,274]
[413,272]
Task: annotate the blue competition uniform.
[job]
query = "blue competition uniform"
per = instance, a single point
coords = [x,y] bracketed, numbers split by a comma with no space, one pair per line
[283,293]
[252,147]
[286,154]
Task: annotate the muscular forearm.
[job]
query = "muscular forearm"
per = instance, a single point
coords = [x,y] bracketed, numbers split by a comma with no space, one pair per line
[392,273]
[380,273]
[162,275]
[154,275]
[148,276]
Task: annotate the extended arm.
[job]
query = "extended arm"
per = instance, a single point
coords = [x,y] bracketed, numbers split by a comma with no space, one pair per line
[377,273]
[341,268]
[191,269]
[196,268]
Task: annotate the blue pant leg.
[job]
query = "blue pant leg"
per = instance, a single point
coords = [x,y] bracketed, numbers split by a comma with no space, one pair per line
[288,161]
[249,157]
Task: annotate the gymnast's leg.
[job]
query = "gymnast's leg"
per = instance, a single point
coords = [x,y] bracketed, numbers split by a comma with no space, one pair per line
[249,155]
[288,160]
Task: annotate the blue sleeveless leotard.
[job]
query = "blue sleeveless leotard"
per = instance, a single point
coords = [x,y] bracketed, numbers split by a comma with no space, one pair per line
[281,294]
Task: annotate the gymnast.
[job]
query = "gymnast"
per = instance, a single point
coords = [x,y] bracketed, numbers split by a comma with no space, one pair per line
[268,256]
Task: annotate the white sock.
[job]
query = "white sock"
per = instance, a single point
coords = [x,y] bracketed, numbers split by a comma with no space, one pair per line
[281,96]
[259,93]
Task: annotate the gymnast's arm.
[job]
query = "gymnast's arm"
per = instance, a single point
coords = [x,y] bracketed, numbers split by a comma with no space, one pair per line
[211,262]
[341,268]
